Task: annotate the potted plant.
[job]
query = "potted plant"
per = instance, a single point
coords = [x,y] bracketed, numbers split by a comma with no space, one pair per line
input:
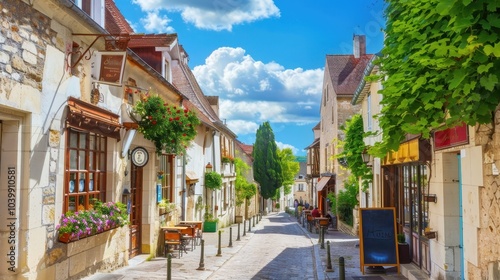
[213,180]
[171,128]
[102,217]
[166,207]
[209,223]
[403,249]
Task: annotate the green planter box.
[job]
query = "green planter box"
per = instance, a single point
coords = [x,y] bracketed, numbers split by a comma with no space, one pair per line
[209,226]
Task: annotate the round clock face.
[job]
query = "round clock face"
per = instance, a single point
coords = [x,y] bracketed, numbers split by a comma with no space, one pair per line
[140,156]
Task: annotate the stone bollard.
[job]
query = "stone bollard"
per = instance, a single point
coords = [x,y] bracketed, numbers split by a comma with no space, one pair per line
[202,261]
[253,221]
[329,267]
[249,225]
[169,266]
[238,237]
[322,234]
[244,227]
[341,269]
[230,237]
[219,251]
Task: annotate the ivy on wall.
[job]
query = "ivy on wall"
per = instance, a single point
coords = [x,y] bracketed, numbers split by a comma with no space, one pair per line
[439,67]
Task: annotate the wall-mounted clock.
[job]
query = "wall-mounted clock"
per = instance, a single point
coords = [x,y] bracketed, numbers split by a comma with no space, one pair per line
[140,156]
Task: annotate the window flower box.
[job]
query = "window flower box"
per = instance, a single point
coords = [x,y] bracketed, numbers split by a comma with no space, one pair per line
[103,216]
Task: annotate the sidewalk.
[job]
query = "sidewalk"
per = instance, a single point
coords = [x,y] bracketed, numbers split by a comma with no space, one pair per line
[190,265]
[346,246]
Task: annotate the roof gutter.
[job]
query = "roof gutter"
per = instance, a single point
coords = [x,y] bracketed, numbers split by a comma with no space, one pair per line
[366,73]
[68,4]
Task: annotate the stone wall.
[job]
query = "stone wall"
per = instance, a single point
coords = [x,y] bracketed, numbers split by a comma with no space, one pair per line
[489,200]
[102,252]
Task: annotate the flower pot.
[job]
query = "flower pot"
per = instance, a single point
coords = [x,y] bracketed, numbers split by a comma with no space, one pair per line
[66,237]
[404,253]
[209,226]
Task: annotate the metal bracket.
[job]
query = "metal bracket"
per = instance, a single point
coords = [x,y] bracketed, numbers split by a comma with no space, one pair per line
[113,42]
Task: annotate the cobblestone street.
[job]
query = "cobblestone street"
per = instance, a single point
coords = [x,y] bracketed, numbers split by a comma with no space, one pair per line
[277,247]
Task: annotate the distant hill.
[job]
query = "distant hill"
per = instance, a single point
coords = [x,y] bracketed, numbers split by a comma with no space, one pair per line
[301,158]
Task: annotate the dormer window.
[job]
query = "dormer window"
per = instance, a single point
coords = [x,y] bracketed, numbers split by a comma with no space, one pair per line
[93,8]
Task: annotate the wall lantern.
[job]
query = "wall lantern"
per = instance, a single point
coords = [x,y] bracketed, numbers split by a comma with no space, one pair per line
[126,198]
[208,167]
[366,157]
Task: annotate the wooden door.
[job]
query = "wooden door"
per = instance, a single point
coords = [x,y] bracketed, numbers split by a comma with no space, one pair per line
[135,211]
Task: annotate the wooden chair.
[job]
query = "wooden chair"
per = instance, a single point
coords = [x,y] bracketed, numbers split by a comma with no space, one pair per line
[187,236]
[173,240]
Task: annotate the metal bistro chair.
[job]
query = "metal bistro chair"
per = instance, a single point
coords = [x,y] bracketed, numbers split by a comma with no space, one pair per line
[310,222]
[188,236]
[173,240]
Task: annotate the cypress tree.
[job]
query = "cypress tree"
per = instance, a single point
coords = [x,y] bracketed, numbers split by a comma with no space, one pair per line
[266,164]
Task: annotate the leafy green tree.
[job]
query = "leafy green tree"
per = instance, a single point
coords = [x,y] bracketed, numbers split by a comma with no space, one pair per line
[266,166]
[439,67]
[290,167]
[244,189]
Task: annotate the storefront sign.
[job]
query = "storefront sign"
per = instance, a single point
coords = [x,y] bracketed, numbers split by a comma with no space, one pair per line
[451,137]
[109,67]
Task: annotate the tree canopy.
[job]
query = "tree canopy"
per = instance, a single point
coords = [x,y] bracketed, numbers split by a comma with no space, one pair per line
[439,67]
[244,189]
[290,167]
[266,165]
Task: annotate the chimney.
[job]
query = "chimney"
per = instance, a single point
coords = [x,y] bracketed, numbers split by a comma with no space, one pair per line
[359,45]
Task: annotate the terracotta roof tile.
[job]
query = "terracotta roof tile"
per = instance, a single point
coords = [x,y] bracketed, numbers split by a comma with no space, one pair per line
[115,22]
[152,40]
[346,72]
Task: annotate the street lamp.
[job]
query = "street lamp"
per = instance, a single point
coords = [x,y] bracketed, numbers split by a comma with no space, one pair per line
[366,157]
[208,167]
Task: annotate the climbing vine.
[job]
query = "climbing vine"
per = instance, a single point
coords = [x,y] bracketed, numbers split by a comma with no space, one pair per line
[353,146]
[439,67]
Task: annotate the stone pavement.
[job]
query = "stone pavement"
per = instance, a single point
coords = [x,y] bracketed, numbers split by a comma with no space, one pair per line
[192,266]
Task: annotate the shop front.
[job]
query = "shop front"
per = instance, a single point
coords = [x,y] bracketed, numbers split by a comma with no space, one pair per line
[406,187]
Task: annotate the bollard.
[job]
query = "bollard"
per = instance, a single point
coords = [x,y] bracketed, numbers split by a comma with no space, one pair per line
[219,251]
[169,266]
[202,261]
[322,232]
[253,221]
[341,269]
[244,227]
[230,237]
[249,225]
[238,237]
[329,267]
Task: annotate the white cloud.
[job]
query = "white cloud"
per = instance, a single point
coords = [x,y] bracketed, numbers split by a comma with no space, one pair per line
[284,146]
[259,91]
[217,14]
[252,92]
[155,23]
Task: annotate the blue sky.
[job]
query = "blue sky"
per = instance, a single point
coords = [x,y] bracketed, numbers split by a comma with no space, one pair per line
[263,58]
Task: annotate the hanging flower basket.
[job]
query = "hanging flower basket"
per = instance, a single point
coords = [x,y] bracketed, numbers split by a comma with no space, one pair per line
[171,128]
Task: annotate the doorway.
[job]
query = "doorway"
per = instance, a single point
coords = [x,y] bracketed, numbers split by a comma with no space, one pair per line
[135,210]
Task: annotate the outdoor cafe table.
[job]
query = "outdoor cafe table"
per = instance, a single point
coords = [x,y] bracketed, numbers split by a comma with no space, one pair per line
[169,228]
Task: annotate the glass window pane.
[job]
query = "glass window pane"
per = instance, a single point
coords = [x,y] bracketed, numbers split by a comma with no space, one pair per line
[72,204]
[73,139]
[103,144]
[83,141]
[91,160]
[92,142]
[102,163]
[91,182]
[81,160]
[81,183]
[72,160]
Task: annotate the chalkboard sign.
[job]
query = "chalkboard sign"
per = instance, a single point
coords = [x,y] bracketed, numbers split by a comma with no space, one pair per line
[378,243]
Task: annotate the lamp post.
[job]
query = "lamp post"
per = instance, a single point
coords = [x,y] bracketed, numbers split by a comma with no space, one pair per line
[208,167]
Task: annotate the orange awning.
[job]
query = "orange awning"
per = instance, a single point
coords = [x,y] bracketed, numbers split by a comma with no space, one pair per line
[322,183]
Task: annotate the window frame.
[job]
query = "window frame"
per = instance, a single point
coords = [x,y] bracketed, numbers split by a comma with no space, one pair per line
[91,176]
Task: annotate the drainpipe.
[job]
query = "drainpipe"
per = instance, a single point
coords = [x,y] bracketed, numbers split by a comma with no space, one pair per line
[183,202]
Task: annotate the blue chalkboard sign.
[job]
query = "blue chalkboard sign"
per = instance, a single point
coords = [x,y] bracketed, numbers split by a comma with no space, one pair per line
[378,242]
[158,193]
